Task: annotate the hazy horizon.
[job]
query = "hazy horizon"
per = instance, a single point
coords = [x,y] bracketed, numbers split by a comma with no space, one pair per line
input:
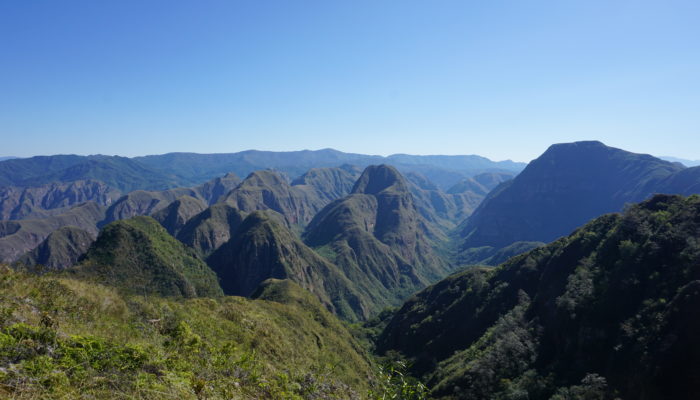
[503,81]
[689,162]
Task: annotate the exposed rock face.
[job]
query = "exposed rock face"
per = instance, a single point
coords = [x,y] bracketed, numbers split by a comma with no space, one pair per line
[215,189]
[298,202]
[24,235]
[262,249]
[377,238]
[60,250]
[211,228]
[51,199]
[176,214]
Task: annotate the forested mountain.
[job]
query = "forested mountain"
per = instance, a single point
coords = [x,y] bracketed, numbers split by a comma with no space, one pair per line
[444,170]
[139,257]
[565,320]
[208,230]
[120,173]
[377,237]
[368,265]
[448,209]
[607,312]
[262,248]
[176,214]
[564,188]
[166,171]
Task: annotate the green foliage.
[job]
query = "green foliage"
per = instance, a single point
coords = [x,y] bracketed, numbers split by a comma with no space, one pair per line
[65,338]
[394,382]
[138,256]
[592,387]
[618,297]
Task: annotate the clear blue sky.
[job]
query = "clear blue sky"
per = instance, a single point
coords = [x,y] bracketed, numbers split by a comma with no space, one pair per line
[503,79]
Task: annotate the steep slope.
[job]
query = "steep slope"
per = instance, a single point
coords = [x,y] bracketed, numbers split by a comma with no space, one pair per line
[606,312]
[377,238]
[176,214]
[213,190]
[683,182]
[60,250]
[19,237]
[208,230]
[299,202]
[447,209]
[139,257]
[268,190]
[51,199]
[69,339]
[562,189]
[262,248]
[329,183]
[480,184]
[141,202]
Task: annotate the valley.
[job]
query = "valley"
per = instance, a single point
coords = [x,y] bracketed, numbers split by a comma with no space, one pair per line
[322,274]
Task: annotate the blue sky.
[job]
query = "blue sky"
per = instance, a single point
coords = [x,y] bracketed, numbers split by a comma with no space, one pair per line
[503,79]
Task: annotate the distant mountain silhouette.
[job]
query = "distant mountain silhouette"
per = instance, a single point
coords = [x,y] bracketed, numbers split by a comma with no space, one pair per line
[565,187]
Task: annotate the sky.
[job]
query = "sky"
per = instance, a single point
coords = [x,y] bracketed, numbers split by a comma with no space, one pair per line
[502,79]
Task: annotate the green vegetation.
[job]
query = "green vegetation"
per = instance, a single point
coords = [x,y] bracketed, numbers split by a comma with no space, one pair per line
[122,173]
[65,338]
[138,256]
[378,239]
[263,248]
[609,311]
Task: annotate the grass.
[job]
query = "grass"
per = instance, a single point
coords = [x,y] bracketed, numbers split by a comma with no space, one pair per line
[66,338]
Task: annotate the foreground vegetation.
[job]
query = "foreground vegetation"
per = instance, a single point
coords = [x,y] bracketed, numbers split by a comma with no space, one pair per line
[64,338]
[607,312]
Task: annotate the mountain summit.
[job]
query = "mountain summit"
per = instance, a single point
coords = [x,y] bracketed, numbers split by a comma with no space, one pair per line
[565,187]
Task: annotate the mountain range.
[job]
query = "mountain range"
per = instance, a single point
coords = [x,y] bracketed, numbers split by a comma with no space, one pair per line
[158,172]
[457,271]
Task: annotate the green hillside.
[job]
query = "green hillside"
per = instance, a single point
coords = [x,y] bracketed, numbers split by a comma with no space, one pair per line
[378,239]
[262,248]
[66,338]
[607,312]
[140,257]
